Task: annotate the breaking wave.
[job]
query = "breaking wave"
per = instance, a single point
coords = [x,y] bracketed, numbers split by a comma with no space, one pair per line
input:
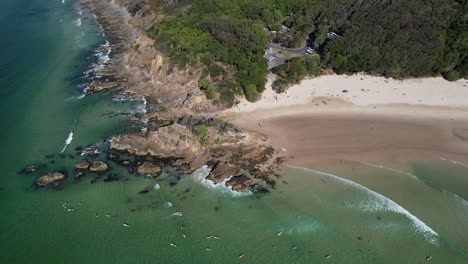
[382,203]
[69,138]
[76,98]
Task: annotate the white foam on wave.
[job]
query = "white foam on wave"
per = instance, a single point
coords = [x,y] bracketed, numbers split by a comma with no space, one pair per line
[390,169]
[69,138]
[141,109]
[103,57]
[383,203]
[200,175]
[76,98]
[102,53]
[459,163]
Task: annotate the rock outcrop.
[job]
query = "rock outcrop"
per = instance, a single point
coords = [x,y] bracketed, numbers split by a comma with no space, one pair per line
[222,171]
[149,169]
[50,178]
[170,143]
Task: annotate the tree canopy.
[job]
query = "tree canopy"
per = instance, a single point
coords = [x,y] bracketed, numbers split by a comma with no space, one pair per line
[393,38]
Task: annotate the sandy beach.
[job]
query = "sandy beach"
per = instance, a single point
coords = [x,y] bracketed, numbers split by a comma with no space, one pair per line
[364,90]
[362,118]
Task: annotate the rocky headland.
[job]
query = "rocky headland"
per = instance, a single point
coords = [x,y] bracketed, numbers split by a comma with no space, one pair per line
[181,129]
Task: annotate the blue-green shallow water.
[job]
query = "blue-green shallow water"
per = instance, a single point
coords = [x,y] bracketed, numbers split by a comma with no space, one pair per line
[368,220]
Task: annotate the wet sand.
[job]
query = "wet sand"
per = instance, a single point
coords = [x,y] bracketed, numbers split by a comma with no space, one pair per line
[386,135]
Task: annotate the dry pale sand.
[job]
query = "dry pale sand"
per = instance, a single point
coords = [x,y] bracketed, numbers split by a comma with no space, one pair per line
[364,90]
[378,121]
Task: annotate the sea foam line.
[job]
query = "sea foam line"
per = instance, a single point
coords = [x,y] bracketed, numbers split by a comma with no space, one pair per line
[200,175]
[463,201]
[384,203]
[69,138]
[456,162]
[390,169]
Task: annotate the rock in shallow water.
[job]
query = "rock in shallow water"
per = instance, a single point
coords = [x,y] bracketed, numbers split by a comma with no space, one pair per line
[100,86]
[240,183]
[149,169]
[82,165]
[50,178]
[91,151]
[98,166]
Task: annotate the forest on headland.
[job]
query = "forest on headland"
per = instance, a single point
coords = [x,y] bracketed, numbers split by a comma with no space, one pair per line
[392,38]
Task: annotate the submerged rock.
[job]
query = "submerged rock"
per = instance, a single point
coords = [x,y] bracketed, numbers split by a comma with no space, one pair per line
[113,156]
[50,178]
[112,177]
[82,165]
[149,169]
[91,151]
[98,166]
[78,176]
[32,169]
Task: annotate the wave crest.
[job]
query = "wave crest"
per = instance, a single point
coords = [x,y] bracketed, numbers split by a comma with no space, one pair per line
[383,203]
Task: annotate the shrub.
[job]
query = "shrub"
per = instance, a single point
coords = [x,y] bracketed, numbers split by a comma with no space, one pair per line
[251,93]
[228,98]
[451,75]
[295,70]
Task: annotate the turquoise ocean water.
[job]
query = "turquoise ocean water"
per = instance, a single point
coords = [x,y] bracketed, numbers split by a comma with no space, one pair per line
[366,214]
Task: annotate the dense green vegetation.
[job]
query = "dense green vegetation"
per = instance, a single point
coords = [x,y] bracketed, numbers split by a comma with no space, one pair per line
[220,36]
[295,70]
[394,38]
